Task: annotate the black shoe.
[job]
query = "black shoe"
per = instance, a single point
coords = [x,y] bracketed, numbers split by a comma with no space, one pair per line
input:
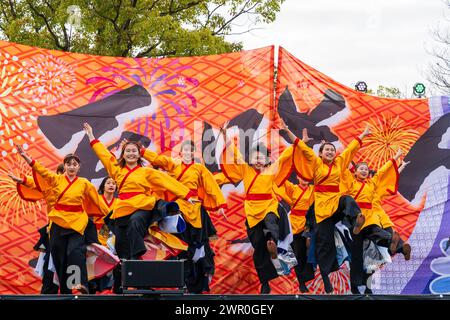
[368,291]
[303,288]
[265,288]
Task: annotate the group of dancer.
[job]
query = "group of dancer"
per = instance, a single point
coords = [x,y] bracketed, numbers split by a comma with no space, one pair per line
[135,196]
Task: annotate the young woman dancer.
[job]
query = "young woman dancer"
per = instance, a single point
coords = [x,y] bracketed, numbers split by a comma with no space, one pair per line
[364,190]
[330,204]
[385,221]
[34,188]
[301,197]
[68,220]
[261,204]
[136,208]
[200,228]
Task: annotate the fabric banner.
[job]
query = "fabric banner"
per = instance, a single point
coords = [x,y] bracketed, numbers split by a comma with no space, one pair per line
[334,112]
[46,96]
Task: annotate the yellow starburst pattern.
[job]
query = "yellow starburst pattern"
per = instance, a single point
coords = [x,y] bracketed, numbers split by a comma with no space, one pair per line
[13,206]
[388,135]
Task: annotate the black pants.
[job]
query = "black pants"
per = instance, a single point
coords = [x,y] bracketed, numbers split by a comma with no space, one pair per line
[400,242]
[265,230]
[130,232]
[303,269]
[325,249]
[373,233]
[90,233]
[68,249]
[48,286]
[195,272]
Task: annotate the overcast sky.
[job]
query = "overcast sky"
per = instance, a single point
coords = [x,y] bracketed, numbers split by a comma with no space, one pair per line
[378,41]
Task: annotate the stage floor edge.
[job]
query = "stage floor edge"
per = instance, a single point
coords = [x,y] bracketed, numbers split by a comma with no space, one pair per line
[222,297]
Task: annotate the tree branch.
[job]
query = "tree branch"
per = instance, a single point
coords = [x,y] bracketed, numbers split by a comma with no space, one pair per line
[241,12]
[47,23]
[177,10]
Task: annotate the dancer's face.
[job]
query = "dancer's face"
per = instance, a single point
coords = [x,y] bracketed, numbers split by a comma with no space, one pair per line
[328,153]
[258,160]
[131,154]
[187,153]
[362,172]
[71,168]
[110,186]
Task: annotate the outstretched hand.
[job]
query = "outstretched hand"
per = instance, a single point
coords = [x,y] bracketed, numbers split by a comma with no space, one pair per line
[403,166]
[398,154]
[15,178]
[305,137]
[405,163]
[283,124]
[121,144]
[88,129]
[193,201]
[23,154]
[222,212]
[20,150]
[367,130]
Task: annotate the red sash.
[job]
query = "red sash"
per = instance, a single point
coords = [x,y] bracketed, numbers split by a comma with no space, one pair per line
[128,195]
[326,188]
[69,208]
[259,196]
[299,213]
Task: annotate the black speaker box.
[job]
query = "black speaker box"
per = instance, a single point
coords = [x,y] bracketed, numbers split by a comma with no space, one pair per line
[144,274]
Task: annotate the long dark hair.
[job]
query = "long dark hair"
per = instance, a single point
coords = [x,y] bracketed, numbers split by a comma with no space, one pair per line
[60,168]
[101,188]
[121,161]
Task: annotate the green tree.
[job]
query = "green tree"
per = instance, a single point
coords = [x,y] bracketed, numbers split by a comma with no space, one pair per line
[133,28]
[386,92]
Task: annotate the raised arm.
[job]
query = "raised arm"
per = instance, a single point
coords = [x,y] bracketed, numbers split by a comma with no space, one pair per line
[284,127]
[213,198]
[164,162]
[231,161]
[49,176]
[347,155]
[19,180]
[108,159]
[283,166]
[166,182]
[386,178]
[304,158]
